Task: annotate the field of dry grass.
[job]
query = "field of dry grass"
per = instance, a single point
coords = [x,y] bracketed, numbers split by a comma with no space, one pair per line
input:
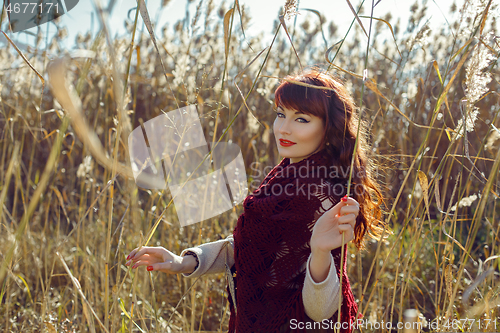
[70,212]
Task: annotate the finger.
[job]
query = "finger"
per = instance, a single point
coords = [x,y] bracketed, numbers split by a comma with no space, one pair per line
[349,219]
[161,266]
[141,263]
[344,228]
[132,253]
[350,209]
[146,256]
[144,262]
[147,250]
[335,210]
[350,201]
[139,256]
[348,232]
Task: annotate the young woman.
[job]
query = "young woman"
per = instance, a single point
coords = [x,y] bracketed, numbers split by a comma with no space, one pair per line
[285,251]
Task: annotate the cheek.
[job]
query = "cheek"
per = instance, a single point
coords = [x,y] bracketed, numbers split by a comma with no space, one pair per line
[313,139]
[316,135]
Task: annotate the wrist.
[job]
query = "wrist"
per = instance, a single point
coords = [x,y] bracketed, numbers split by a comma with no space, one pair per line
[319,265]
[189,262]
[318,251]
[320,255]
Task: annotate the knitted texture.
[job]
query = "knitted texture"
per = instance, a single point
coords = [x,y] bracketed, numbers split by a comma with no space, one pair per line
[271,247]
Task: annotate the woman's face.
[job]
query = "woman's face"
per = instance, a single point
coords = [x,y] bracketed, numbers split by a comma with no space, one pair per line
[298,135]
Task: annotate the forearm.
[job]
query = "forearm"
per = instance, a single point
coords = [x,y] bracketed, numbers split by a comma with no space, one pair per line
[319,265]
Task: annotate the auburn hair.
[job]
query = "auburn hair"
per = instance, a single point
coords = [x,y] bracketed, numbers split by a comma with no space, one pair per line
[322,95]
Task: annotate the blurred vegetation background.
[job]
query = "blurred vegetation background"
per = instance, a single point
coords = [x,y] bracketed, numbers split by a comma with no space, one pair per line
[70,212]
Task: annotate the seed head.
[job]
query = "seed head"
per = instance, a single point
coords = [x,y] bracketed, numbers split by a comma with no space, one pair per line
[290,9]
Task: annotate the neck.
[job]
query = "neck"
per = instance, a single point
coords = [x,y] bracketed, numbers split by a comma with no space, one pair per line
[297,159]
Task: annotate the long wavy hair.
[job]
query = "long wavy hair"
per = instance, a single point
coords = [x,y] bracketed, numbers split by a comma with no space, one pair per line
[335,106]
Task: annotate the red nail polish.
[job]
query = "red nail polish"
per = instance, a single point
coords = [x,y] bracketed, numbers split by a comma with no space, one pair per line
[150,268]
[344,198]
[135,266]
[128,257]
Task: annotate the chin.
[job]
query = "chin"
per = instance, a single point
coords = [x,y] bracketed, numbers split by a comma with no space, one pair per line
[286,154]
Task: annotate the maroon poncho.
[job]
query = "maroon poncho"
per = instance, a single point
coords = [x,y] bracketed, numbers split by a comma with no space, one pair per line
[271,246]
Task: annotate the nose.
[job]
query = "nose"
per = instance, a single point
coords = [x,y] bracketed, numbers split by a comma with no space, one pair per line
[284,128]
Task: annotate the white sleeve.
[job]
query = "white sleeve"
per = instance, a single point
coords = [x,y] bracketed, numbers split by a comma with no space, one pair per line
[321,300]
[212,257]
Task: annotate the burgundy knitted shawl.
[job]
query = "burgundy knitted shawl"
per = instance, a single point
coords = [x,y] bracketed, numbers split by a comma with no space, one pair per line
[271,246]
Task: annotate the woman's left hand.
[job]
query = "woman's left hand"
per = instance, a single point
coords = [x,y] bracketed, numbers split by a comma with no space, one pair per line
[328,230]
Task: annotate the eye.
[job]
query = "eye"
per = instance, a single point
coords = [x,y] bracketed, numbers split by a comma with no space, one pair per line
[280,114]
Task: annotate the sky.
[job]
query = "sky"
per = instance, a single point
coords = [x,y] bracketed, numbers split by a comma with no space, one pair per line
[263,12]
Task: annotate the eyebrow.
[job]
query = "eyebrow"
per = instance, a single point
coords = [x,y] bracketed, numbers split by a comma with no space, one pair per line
[296,112]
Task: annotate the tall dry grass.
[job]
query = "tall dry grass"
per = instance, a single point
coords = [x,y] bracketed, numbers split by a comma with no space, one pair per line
[69,211]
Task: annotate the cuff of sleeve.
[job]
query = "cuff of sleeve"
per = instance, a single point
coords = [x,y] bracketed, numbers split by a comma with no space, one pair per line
[332,274]
[197,251]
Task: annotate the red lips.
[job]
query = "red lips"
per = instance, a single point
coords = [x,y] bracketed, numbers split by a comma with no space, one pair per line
[286,143]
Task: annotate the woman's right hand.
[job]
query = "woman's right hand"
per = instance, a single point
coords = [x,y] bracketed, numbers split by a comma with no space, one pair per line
[160,259]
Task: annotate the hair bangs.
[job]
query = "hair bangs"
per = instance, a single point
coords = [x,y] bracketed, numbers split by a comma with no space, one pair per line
[300,98]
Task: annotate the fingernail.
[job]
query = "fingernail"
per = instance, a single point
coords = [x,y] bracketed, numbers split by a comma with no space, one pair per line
[344,198]
[128,257]
[150,268]
[135,266]
[128,263]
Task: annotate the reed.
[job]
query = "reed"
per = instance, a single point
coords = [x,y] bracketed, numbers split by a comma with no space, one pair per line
[70,210]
